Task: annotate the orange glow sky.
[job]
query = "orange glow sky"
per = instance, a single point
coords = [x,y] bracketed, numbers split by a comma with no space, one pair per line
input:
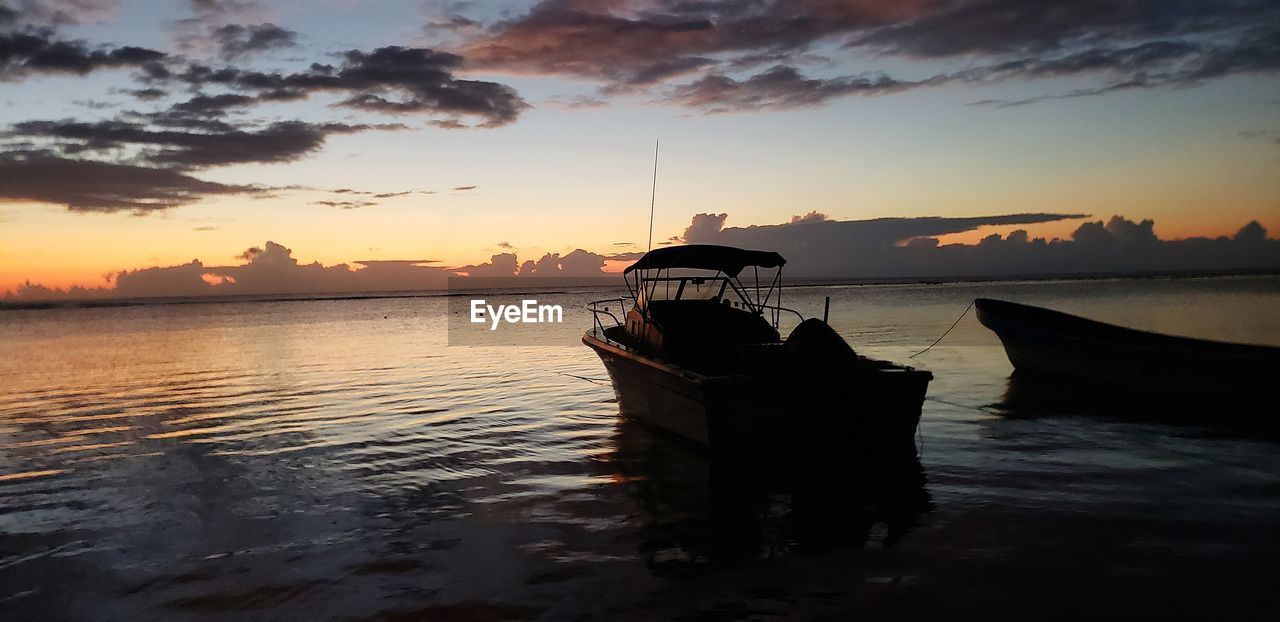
[1201,160]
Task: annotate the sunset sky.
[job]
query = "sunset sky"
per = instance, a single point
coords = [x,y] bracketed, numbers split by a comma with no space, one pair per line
[143,133]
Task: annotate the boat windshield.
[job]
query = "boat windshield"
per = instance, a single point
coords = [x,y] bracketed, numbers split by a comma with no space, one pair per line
[709,274]
[685,287]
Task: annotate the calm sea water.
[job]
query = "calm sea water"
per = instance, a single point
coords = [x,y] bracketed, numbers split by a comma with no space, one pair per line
[337,459]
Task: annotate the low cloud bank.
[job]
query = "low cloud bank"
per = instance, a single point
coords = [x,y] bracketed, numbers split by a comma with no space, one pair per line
[272,269]
[814,246]
[909,247]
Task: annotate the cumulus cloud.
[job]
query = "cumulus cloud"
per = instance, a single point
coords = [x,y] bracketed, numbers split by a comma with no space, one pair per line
[578,263]
[272,269]
[501,264]
[703,228]
[909,247]
[812,216]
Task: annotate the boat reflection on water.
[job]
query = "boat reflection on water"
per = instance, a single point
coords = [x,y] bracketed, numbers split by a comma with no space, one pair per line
[1029,395]
[707,510]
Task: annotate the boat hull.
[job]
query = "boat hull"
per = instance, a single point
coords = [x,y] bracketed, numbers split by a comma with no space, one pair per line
[1044,342]
[877,414]
[667,397]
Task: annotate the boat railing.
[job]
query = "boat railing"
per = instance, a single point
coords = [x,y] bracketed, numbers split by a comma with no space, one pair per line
[600,308]
[799,316]
[761,308]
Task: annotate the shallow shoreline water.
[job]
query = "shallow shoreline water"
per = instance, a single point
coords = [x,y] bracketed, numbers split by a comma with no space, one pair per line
[337,458]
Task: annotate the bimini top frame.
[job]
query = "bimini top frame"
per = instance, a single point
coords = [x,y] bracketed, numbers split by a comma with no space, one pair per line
[654,269]
[726,259]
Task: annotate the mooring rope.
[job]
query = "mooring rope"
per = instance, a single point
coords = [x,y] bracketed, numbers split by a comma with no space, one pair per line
[600,381]
[956,323]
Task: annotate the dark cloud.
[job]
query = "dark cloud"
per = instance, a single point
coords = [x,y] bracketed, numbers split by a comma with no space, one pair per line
[369,193]
[212,128]
[236,41]
[148,94]
[390,80]
[576,39]
[707,228]
[30,42]
[995,27]
[36,51]
[464,188]
[83,185]
[284,141]
[211,105]
[614,41]
[779,88]
[709,49]
[223,6]
[454,22]
[94,104]
[345,204]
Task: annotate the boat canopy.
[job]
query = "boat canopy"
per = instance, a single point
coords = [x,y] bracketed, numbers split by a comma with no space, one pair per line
[726,259]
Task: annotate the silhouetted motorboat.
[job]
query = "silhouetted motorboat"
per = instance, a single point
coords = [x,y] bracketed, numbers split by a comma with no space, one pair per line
[698,354]
[1046,342]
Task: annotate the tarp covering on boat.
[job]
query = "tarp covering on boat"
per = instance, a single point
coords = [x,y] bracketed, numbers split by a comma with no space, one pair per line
[726,259]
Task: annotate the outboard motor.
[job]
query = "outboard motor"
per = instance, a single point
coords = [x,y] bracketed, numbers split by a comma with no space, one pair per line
[817,343]
[814,359]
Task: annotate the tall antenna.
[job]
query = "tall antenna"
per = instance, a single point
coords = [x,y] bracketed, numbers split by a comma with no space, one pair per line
[653,194]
